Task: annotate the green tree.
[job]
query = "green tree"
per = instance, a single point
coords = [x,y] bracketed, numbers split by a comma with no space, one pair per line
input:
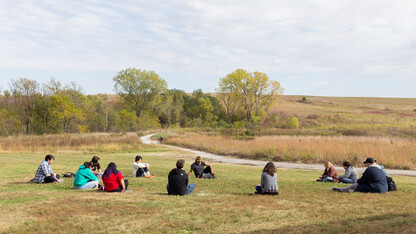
[24,91]
[139,88]
[64,112]
[251,92]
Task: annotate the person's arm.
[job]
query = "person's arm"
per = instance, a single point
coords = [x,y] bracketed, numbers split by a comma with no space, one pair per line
[347,173]
[210,167]
[91,176]
[123,185]
[366,176]
[190,172]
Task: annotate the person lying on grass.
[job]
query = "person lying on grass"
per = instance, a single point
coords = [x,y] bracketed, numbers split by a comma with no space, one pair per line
[113,179]
[96,167]
[373,180]
[268,183]
[350,176]
[202,169]
[178,181]
[84,178]
[330,173]
[44,173]
[141,169]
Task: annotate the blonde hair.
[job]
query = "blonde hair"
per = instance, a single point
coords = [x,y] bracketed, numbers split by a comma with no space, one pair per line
[198,159]
[328,164]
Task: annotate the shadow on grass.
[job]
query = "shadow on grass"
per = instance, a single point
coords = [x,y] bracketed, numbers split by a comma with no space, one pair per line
[384,223]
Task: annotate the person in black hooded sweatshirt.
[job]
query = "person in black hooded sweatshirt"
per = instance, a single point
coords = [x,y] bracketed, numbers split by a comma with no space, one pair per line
[178,181]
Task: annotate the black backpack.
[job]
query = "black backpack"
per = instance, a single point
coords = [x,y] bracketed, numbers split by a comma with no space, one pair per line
[391,185]
[69,175]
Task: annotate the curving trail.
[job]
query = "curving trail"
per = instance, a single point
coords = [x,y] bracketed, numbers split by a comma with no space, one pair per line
[232,160]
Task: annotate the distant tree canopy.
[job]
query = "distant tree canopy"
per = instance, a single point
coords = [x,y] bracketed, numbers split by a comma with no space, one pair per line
[139,88]
[248,94]
[143,102]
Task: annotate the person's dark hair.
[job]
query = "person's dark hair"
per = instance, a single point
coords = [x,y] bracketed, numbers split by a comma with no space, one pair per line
[88,164]
[270,168]
[138,158]
[111,168]
[49,157]
[346,164]
[180,163]
[95,159]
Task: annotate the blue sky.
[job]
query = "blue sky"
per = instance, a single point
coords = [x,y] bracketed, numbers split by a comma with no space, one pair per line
[326,47]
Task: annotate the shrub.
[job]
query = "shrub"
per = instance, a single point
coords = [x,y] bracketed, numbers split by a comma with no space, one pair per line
[292,123]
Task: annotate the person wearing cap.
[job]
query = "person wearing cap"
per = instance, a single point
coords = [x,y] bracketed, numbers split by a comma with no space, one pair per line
[202,169]
[373,180]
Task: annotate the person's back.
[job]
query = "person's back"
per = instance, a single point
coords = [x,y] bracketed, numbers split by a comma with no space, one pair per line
[269,183]
[373,180]
[178,180]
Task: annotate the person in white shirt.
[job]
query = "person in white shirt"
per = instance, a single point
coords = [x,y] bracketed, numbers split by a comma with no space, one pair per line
[141,169]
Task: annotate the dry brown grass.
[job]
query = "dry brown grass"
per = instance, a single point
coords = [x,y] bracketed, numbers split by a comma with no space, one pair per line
[392,152]
[93,142]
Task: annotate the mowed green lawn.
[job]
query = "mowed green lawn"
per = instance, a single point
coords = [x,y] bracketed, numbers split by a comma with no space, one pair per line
[226,204]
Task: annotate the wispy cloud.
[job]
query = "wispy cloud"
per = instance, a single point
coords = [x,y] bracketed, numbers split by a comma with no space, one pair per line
[284,38]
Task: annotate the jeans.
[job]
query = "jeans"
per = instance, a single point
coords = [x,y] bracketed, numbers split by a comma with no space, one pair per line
[350,188]
[89,185]
[347,181]
[189,189]
[327,179]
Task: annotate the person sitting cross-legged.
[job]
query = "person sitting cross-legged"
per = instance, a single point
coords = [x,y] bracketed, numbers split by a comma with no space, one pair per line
[44,173]
[350,176]
[268,180]
[202,169]
[113,179]
[330,173]
[84,178]
[178,181]
[373,180]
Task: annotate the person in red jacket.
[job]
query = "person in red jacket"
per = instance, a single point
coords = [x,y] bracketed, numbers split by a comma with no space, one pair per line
[330,173]
[113,179]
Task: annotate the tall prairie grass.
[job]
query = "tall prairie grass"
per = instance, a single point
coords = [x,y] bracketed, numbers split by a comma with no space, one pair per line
[391,152]
[93,142]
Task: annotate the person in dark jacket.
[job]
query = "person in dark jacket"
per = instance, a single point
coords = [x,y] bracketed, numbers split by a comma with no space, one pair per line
[178,181]
[373,180]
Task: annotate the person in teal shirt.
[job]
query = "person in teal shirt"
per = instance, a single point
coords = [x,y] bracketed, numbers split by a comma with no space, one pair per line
[84,178]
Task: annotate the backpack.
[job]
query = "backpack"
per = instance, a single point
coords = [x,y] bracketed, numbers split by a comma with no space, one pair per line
[391,184]
[69,175]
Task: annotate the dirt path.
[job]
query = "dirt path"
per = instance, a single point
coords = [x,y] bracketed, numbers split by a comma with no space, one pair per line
[232,160]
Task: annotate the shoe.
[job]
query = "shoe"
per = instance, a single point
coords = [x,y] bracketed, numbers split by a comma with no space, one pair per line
[336,189]
[319,180]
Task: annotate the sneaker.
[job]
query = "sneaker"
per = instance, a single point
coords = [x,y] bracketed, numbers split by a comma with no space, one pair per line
[336,189]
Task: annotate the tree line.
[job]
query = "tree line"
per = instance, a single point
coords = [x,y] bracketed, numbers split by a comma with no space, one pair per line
[143,101]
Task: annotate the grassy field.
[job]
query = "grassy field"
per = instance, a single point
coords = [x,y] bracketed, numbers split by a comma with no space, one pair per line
[353,116]
[392,152]
[223,205]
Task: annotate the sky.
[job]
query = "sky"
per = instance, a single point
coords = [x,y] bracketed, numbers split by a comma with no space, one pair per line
[322,48]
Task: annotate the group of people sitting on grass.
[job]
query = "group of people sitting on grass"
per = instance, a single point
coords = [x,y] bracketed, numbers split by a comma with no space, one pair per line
[373,180]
